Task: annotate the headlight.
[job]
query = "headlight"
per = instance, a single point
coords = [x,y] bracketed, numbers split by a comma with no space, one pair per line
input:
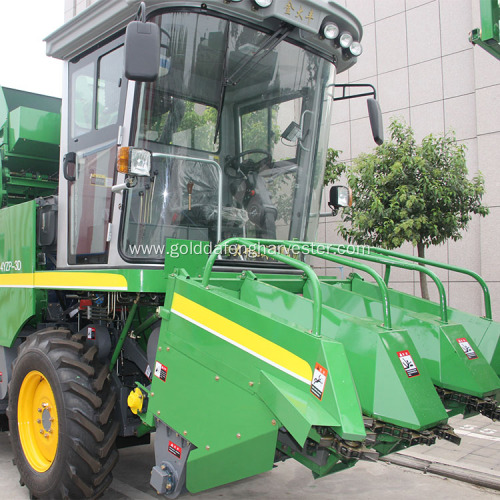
[140,162]
[134,161]
[330,31]
[356,49]
[340,196]
[344,196]
[345,40]
[263,3]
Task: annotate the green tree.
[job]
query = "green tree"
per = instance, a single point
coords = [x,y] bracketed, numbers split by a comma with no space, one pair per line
[334,168]
[405,192]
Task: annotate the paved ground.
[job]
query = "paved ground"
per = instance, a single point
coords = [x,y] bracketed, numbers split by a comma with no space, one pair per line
[480,450]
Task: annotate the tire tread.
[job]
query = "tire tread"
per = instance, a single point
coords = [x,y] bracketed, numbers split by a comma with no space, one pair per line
[88,448]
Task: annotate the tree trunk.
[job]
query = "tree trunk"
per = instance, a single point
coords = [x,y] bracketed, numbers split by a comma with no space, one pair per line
[423,277]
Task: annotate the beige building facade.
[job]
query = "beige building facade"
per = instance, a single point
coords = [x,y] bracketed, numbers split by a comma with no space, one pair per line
[417,54]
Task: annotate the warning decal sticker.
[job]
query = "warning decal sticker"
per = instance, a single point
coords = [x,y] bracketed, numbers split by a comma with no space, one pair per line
[161,371]
[467,348]
[91,333]
[174,449]
[318,381]
[408,363]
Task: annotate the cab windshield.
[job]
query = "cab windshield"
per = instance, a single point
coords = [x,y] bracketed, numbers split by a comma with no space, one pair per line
[238,123]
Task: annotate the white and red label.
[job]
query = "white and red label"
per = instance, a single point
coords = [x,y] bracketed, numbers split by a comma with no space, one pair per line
[467,348]
[408,363]
[91,333]
[161,371]
[318,381]
[174,449]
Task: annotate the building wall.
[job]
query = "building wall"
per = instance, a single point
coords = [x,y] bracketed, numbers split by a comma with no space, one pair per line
[417,54]
[74,7]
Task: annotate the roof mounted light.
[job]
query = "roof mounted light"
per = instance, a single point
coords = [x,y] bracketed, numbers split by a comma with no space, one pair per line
[263,3]
[330,31]
[356,49]
[345,40]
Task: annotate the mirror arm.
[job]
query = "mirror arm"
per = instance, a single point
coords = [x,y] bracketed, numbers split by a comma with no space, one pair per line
[345,86]
[141,13]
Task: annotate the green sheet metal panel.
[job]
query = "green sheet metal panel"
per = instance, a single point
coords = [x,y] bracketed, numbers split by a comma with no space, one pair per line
[385,390]
[35,133]
[233,430]
[13,98]
[17,264]
[234,370]
[422,317]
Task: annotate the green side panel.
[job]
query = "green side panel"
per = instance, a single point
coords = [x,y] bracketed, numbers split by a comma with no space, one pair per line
[244,363]
[470,374]
[298,411]
[29,145]
[384,389]
[488,342]
[35,133]
[17,256]
[12,98]
[231,428]
[233,369]
[484,332]
[436,342]
[190,255]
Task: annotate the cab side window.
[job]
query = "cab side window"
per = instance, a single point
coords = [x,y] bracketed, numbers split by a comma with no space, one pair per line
[82,84]
[109,80]
[90,111]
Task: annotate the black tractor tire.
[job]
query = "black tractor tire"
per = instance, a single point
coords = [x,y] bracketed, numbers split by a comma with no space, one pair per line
[78,420]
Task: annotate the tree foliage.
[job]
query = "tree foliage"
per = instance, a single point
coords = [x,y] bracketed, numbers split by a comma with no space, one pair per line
[334,168]
[406,192]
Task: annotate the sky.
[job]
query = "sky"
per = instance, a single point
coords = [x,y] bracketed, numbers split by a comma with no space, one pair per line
[23,63]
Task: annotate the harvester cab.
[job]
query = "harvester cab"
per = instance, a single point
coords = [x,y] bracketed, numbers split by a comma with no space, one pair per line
[223,138]
[166,288]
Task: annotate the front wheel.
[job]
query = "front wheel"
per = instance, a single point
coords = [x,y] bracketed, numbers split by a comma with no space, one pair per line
[60,408]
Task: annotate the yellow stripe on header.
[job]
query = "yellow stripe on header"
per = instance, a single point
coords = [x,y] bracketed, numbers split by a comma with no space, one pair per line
[65,281]
[242,338]
[17,280]
[80,281]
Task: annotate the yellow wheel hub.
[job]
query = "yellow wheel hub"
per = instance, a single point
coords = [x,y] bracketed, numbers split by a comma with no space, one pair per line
[37,421]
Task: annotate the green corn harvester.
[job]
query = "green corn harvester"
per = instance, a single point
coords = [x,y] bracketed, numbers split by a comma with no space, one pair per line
[29,145]
[167,289]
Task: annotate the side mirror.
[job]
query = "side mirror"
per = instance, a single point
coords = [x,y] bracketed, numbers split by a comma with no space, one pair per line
[376,120]
[142,49]
[373,106]
[340,196]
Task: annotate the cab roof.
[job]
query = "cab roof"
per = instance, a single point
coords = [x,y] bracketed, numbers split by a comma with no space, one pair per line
[106,18]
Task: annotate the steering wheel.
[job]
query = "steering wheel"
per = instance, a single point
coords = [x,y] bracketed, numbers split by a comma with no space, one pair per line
[232,165]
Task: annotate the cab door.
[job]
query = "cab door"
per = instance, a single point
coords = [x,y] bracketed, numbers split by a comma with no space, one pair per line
[97,90]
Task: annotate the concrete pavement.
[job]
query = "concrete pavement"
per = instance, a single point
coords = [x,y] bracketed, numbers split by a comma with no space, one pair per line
[480,450]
